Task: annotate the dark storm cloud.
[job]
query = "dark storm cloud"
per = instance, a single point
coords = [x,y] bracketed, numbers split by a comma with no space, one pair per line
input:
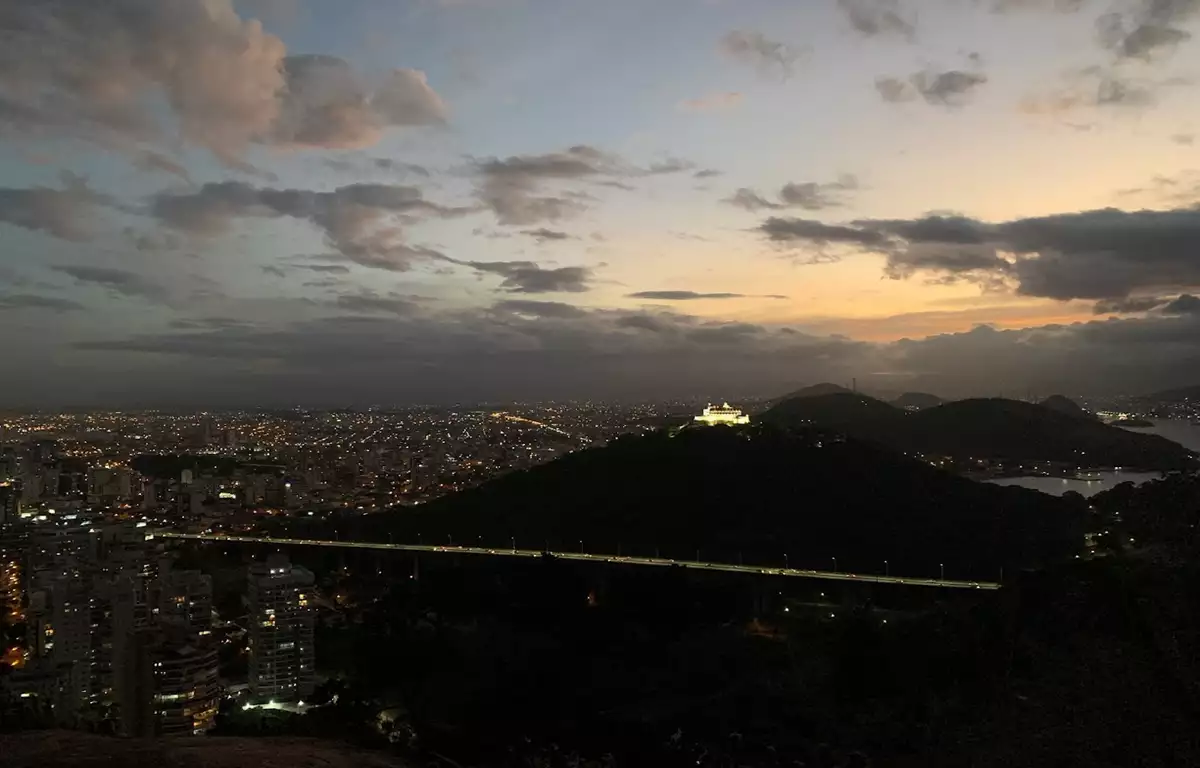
[1187,304]
[1100,254]
[1148,26]
[540,308]
[16,301]
[120,281]
[757,50]
[100,71]
[62,213]
[873,18]
[1128,305]
[529,277]
[724,333]
[360,221]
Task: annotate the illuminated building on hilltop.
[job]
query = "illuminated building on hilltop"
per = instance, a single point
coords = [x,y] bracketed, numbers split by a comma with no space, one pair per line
[722,414]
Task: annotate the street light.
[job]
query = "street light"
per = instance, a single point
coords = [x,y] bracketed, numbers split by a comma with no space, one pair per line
[834,564]
[886,570]
[514,542]
[942,569]
[785,561]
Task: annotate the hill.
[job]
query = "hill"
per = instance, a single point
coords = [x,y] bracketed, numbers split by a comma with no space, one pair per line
[916,401]
[755,493]
[817,390]
[995,429]
[1066,405]
[856,415]
[1173,395]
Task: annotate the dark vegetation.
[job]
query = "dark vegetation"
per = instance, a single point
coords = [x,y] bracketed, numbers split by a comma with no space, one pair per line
[754,495]
[917,401]
[1066,405]
[992,429]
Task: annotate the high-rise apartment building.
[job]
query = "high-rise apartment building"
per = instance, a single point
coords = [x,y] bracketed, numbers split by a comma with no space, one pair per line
[281,630]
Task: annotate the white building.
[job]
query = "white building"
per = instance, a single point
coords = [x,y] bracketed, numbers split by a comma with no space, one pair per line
[722,414]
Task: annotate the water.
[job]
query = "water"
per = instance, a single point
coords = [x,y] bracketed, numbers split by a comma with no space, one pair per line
[1057,486]
[1178,430]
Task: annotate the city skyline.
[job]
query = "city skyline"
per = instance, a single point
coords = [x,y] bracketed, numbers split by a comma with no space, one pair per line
[270,203]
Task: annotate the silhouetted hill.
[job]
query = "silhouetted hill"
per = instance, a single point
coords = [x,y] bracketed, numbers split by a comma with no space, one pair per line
[756,493]
[816,390]
[1173,395]
[983,428]
[917,401]
[1066,405]
[849,412]
[1012,430]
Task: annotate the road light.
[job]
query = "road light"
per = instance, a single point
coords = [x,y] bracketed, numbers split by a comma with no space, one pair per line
[513,539]
[887,571]
[785,561]
[834,564]
[942,569]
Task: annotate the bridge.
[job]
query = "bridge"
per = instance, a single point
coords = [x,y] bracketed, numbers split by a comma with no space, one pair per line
[587,557]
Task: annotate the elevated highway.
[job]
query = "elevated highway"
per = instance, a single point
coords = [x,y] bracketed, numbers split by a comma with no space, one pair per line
[661,562]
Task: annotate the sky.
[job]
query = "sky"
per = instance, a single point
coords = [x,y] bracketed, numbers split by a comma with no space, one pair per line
[297,202]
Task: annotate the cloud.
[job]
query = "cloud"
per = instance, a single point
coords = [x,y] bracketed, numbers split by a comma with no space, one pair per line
[515,188]
[783,229]
[947,88]
[97,71]
[148,160]
[710,102]
[894,90]
[1056,6]
[62,213]
[692,295]
[511,187]
[16,301]
[529,277]
[1186,304]
[950,88]
[755,49]
[362,222]
[1095,87]
[875,18]
[747,198]
[1097,254]
[809,195]
[119,281]
[1127,305]
[550,309]
[370,302]
[1147,28]
[543,235]
[1186,139]
[707,173]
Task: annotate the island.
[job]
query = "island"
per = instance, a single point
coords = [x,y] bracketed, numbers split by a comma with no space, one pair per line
[1132,423]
